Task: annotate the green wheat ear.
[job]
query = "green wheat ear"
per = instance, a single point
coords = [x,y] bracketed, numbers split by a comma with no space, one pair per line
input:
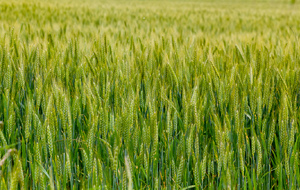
[49,141]
[68,167]
[180,172]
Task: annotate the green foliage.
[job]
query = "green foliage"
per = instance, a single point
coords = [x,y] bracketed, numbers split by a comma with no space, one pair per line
[149,95]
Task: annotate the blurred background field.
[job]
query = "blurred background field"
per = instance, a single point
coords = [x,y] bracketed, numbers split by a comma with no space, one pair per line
[148,19]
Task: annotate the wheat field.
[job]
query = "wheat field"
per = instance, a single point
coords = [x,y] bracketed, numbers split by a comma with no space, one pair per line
[149,94]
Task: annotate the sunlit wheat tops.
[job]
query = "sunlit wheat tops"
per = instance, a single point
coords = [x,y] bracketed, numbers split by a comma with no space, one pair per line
[149,95]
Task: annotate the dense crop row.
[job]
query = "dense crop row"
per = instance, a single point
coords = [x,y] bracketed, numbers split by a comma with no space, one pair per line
[124,95]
